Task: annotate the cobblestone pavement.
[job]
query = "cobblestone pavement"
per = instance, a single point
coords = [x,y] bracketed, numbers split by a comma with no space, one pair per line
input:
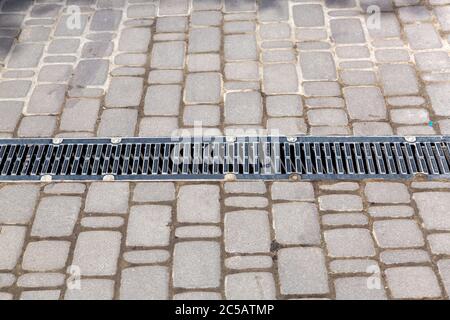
[152,68]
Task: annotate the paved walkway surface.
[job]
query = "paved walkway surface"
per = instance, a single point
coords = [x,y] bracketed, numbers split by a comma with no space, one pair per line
[152,68]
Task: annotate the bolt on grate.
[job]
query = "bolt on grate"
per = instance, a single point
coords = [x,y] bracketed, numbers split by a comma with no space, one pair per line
[310,158]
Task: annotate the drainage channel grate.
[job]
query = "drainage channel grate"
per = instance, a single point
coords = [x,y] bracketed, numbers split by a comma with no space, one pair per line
[310,158]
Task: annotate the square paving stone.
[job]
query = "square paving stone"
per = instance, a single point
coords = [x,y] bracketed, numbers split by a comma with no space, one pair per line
[14,89]
[66,28]
[198,203]
[63,46]
[296,223]
[91,289]
[196,264]
[439,94]
[168,55]
[203,62]
[357,288]
[96,253]
[347,31]
[154,192]
[349,242]
[302,271]
[100,49]
[433,209]
[45,255]
[204,115]
[397,234]
[55,73]
[280,78]
[365,103]
[439,243]
[149,226]
[158,126]
[37,126]
[412,282]
[243,108]
[56,216]
[107,198]
[308,15]
[117,123]
[317,66]
[171,24]
[80,115]
[203,88]
[284,105]
[204,40]
[10,112]
[240,47]
[247,231]
[422,36]
[106,20]
[124,92]
[11,242]
[17,203]
[144,283]
[163,100]
[90,73]
[47,98]
[26,55]
[135,40]
[250,285]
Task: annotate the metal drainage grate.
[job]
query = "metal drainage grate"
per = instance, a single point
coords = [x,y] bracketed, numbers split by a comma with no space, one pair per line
[217,158]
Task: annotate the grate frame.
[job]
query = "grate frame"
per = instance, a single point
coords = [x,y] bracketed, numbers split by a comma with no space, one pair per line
[219,158]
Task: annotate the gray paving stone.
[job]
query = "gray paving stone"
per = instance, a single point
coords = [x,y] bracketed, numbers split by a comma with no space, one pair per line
[17,203]
[65,27]
[391,211]
[350,266]
[203,62]
[247,231]
[251,187]
[347,31]
[389,27]
[206,18]
[11,243]
[206,4]
[146,256]
[308,15]
[242,71]
[96,252]
[275,31]
[317,66]
[286,126]
[397,234]
[358,77]
[296,223]
[198,232]
[204,40]
[141,11]
[16,6]
[131,59]
[45,10]
[340,186]
[196,264]
[413,14]
[443,16]
[365,103]
[267,11]
[197,295]
[386,192]
[398,79]
[90,73]
[444,270]
[432,208]
[91,289]
[410,116]
[55,73]
[80,115]
[7,280]
[280,78]
[107,198]
[384,5]
[344,219]
[40,295]
[243,108]
[302,271]
[45,255]
[168,55]
[322,88]
[158,126]
[117,123]
[349,242]
[35,34]
[37,126]
[149,226]
[250,285]
[357,288]
[432,61]
[292,191]
[47,99]
[439,94]
[284,105]
[106,20]
[198,203]
[124,92]
[325,102]
[56,216]
[422,36]
[246,202]
[26,55]
[402,256]
[171,24]
[352,52]
[102,222]
[239,27]
[165,76]
[392,55]
[135,40]
[173,7]
[154,192]
[330,117]
[439,243]
[163,100]
[144,283]
[36,280]
[203,88]
[412,282]
[239,5]
[206,115]
[248,262]
[340,202]
[240,47]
